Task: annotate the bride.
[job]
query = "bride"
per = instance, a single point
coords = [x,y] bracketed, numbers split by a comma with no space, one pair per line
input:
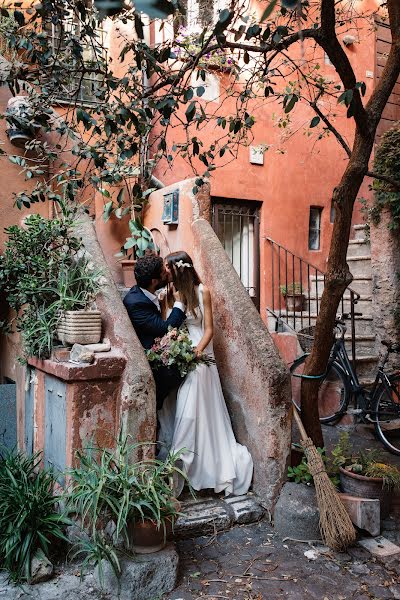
[196,418]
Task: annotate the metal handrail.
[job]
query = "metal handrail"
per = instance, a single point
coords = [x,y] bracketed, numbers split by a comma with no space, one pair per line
[290,271]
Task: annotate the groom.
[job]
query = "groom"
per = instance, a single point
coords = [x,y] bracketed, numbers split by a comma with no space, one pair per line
[143,308]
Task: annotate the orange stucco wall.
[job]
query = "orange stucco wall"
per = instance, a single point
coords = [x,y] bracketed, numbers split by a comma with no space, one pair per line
[299,171]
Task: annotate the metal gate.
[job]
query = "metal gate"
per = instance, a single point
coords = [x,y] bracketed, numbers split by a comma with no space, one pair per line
[237,225]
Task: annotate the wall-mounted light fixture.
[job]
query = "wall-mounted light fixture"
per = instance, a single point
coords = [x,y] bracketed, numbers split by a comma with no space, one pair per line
[348,40]
[170,214]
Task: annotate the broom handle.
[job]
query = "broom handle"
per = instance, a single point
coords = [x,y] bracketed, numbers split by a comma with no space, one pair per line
[299,423]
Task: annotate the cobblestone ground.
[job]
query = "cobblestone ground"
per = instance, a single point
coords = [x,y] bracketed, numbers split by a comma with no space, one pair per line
[251,563]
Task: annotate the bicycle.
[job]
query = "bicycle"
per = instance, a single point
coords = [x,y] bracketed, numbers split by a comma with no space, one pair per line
[380,405]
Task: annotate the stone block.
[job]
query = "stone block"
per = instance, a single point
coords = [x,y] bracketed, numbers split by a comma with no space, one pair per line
[379,546]
[364,512]
[143,577]
[80,354]
[245,509]
[41,568]
[201,517]
[296,513]
[104,346]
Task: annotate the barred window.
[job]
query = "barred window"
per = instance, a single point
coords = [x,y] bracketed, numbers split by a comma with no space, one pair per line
[79,87]
[201,13]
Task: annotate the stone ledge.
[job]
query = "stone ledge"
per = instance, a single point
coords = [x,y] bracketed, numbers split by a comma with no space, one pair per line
[363,512]
[207,515]
[104,367]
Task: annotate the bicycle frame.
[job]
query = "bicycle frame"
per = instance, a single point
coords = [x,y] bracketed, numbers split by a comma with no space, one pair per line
[362,397]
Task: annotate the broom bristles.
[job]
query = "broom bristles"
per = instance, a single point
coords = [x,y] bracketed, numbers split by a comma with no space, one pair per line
[336,527]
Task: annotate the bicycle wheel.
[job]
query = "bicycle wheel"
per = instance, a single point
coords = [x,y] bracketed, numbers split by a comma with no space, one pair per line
[387,415]
[333,390]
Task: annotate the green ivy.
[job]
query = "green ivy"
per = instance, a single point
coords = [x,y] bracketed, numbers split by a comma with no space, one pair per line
[387,162]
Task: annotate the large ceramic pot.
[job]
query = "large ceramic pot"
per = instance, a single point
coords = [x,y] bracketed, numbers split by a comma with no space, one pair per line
[80,327]
[366,487]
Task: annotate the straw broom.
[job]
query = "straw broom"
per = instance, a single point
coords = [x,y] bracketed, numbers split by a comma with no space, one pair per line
[334,522]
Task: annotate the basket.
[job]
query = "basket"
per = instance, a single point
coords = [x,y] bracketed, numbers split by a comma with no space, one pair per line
[306,338]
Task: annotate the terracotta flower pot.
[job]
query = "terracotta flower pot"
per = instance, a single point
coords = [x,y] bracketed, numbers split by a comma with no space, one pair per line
[145,538]
[294,302]
[128,273]
[80,327]
[366,487]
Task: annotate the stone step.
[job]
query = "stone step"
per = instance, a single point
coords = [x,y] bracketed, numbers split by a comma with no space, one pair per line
[365,344]
[359,247]
[359,231]
[205,515]
[364,305]
[360,266]
[361,285]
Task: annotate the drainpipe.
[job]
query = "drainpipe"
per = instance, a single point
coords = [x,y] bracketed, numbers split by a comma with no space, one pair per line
[157,183]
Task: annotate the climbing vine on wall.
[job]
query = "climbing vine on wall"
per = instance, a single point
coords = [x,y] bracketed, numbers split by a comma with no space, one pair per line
[387,162]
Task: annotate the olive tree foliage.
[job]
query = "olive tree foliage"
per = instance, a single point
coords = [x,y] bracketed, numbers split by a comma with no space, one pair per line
[273,52]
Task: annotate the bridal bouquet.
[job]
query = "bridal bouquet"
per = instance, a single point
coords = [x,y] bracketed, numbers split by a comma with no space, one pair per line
[175,349]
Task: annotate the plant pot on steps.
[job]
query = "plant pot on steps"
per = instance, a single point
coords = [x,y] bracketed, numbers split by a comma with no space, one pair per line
[294,302]
[366,487]
[128,273]
[80,327]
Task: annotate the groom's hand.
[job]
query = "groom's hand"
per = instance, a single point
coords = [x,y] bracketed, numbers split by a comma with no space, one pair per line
[177,295]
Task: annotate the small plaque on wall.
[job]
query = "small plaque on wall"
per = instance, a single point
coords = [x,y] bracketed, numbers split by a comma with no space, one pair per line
[170,214]
[257,155]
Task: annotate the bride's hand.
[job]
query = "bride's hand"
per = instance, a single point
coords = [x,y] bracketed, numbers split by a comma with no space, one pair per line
[198,352]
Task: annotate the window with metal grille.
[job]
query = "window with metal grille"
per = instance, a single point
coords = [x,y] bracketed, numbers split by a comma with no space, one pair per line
[78,88]
[201,13]
[314,229]
[237,227]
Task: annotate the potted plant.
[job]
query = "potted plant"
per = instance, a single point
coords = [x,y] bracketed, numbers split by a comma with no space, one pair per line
[79,322]
[123,504]
[44,276]
[365,475]
[20,119]
[294,296]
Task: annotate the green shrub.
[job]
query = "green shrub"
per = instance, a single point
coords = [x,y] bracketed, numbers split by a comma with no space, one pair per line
[42,273]
[29,520]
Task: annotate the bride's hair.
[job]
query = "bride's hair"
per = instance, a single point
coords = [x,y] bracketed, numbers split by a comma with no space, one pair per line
[184,278]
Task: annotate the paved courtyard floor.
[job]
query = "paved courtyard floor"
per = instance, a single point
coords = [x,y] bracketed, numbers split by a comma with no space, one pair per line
[250,562]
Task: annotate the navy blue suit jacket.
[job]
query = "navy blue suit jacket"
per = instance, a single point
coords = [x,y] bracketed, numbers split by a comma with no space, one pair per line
[146,317]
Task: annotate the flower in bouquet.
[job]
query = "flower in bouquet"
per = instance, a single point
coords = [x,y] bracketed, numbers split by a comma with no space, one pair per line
[175,349]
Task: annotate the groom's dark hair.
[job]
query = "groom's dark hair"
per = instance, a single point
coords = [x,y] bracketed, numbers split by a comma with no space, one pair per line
[147,268]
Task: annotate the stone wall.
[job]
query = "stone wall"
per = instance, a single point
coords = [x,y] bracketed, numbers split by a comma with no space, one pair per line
[385,264]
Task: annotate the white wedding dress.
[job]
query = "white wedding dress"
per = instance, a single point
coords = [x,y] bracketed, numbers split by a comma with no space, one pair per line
[196,419]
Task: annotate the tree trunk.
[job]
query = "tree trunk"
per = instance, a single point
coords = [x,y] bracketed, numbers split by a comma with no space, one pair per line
[337,278]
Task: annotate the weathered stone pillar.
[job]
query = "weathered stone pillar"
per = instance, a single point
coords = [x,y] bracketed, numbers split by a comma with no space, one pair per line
[385,265]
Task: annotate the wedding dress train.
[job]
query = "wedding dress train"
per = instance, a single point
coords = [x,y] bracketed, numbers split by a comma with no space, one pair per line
[196,419]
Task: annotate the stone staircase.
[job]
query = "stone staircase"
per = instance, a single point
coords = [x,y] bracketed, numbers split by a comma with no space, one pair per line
[359,261]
